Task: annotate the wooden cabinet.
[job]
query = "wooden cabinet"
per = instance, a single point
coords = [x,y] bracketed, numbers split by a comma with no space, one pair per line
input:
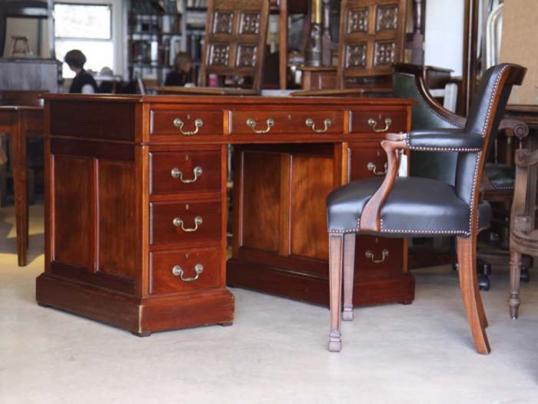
[145,248]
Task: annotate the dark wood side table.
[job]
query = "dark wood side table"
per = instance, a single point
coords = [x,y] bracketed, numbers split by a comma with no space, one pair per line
[20,122]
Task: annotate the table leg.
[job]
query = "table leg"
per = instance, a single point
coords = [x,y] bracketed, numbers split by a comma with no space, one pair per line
[18,167]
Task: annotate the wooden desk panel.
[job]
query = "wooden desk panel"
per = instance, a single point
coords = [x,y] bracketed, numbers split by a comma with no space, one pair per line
[124,261]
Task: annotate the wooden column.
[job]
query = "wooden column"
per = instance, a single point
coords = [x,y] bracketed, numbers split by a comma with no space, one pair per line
[470,37]
[283,44]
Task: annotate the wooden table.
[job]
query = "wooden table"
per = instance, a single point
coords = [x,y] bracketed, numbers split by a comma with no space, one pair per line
[136,203]
[20,122]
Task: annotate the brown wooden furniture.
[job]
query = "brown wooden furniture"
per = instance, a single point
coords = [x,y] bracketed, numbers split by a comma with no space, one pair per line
[234,46]
[415,206]
[20,120]
[523,234]
[372,38]
[145,249]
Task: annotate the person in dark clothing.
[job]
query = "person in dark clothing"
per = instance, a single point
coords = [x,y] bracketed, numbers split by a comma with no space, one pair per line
[182,73]
[83,82]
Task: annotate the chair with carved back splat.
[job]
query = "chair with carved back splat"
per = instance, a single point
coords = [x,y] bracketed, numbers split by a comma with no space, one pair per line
[371,39]
[415,206]
[234,46]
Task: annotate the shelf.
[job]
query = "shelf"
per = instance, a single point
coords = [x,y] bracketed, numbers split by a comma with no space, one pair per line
[155,14]
[154,33]
[149,66]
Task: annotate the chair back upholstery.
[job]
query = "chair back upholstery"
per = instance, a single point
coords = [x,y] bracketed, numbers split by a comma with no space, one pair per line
[408,82]
[483,120]
[235,39]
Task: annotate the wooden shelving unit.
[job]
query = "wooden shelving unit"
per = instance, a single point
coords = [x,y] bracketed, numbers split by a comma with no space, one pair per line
[154,35]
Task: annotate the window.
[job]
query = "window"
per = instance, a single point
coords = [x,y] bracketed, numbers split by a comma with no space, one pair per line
[87,27]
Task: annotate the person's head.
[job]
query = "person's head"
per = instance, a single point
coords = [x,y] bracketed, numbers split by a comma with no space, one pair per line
[75,59]
[183,62]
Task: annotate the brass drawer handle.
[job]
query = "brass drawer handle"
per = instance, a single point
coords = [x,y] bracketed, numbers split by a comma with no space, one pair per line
[178,174]
[198,123]
[178,222]
[373,124]
[251,123]
[370,255]
[312,125]
[373,169]
[178,271]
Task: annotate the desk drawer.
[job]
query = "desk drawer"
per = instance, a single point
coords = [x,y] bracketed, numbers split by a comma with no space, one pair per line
[377,120]
[190,123]
[185,222]
[286,122]
[185,171]
[367,160]
[185,270]
[378,256]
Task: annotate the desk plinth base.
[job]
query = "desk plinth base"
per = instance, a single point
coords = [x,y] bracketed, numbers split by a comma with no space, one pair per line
[140,316]
[399,288]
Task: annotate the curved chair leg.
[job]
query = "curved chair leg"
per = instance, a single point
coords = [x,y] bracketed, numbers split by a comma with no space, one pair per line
[480,306]
[336,246]
[471,295]
[515,273]
[349,269]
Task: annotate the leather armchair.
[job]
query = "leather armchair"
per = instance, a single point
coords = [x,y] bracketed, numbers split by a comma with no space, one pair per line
[409,81]
[424,207]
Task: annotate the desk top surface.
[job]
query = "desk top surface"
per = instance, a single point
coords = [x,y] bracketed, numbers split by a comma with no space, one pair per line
[227,100]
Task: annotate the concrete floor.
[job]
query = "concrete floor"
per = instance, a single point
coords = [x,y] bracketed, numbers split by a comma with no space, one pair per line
[274,353]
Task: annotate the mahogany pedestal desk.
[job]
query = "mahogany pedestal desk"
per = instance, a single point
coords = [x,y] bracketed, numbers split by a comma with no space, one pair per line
[20,122]
[136,207]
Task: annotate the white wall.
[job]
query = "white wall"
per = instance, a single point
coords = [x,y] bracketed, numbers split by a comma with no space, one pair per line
[444,34]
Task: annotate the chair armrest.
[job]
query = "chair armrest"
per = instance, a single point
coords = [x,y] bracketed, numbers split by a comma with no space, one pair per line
[443,140]
[449,140]
[393,144]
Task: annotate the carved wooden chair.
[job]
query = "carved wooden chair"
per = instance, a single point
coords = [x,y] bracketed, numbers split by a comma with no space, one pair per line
[234,48]
[415,206]
[523,232]
[371,39]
